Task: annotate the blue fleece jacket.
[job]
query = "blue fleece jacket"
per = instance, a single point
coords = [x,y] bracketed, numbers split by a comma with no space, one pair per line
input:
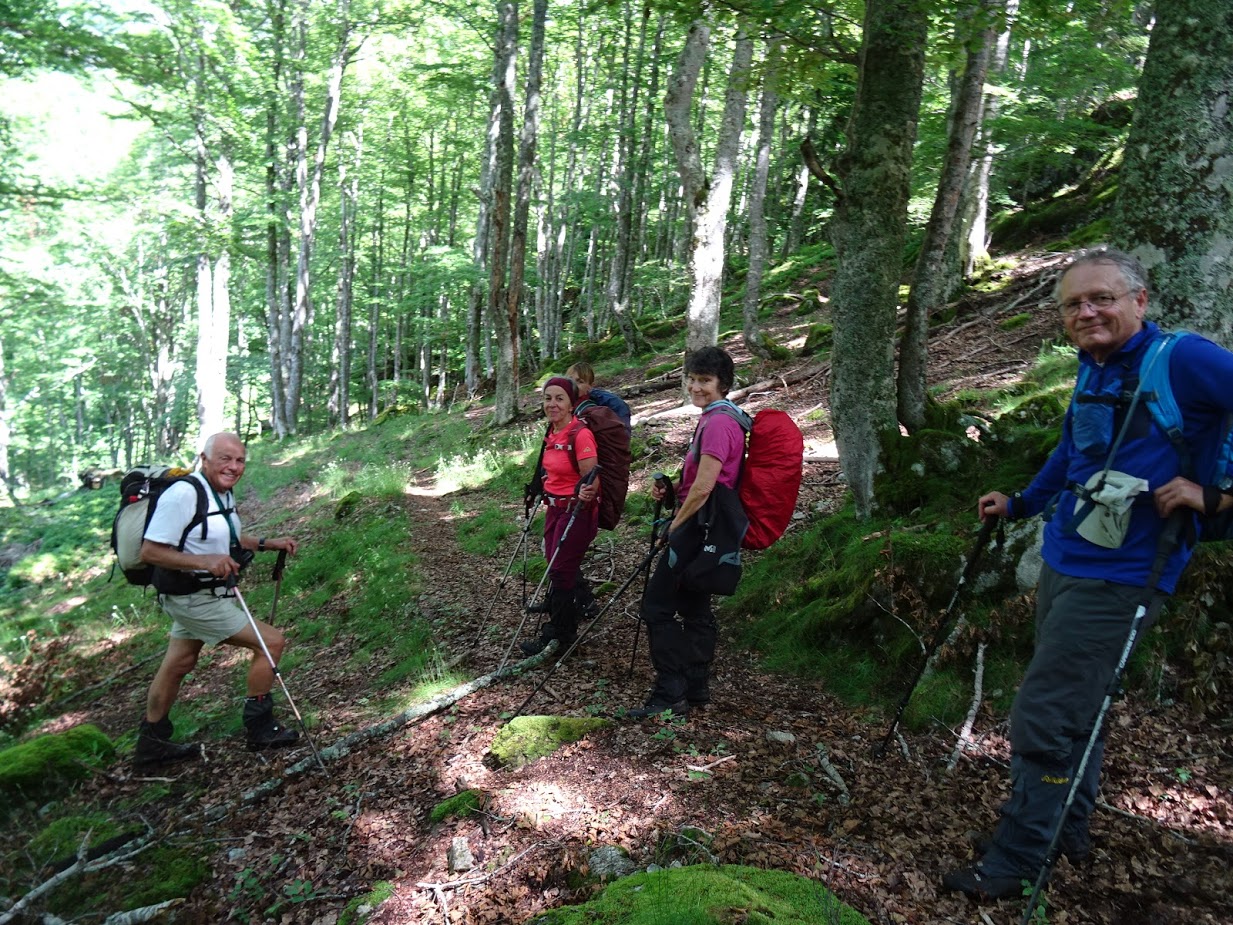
[1201,374]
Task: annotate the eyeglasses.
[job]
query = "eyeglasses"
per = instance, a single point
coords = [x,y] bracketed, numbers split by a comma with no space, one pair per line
[1099,302]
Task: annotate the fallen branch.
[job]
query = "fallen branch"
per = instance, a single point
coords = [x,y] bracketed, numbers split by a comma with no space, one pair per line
[832,772]
[80,866]
[144,914]
[965,736]
[105,682]
[343,746]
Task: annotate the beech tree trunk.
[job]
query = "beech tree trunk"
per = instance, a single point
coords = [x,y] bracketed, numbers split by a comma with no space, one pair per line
[929,281]
[1175,196]
[308,186]
[707,199]
[340,367]
[624,174]
[868,231]
[502,122]
[755,340]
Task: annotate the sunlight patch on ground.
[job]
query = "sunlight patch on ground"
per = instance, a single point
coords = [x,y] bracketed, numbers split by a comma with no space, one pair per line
[821,449]
[64,721]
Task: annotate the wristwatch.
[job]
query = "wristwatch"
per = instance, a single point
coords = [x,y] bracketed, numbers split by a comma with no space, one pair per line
[261,545]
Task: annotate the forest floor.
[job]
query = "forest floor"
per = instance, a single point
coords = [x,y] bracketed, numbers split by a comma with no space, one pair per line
[1163,840]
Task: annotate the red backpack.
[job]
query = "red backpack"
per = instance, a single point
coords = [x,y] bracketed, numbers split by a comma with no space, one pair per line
[770,479]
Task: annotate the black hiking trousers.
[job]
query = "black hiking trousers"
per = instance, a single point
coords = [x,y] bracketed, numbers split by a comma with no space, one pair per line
[680,648]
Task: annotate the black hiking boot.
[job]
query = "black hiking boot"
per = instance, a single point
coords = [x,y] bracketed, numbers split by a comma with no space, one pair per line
[698,685]
[547,634]
[264,731]
[657,705]
[154,745]
[1077,849]
[978,886]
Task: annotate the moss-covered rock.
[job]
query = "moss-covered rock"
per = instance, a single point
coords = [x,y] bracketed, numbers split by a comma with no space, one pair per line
[458,806]
[360,909]
[43,765]
[525,738]
[346,504]
[706,895]
[820,337]
[63,837]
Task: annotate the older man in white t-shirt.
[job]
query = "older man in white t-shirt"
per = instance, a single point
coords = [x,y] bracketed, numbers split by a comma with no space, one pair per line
[194,564]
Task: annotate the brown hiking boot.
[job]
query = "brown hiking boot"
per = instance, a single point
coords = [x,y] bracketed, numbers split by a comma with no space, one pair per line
[154,745]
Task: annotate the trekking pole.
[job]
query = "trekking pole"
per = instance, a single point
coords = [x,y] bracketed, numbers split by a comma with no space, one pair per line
[575,504]
[669,497]
[279,565]
[231,583]
[943,630]
[644,564]
[1169,537]
[531,511]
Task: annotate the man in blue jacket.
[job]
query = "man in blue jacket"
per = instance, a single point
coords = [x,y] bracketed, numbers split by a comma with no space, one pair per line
[1098,557]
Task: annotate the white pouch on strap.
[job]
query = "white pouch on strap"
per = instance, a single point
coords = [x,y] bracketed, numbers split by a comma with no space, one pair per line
[1109,518]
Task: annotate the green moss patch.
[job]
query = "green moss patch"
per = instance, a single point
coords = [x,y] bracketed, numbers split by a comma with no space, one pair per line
[63,837]
[361,908]
[526,738]
[706,895]
[459,806]
[42,765]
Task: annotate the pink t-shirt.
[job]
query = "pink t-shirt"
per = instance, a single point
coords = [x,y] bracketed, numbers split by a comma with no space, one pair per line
[562,477]
[721,436]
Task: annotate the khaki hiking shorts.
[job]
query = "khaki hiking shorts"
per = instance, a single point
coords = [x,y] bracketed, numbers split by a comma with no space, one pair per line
[203,616]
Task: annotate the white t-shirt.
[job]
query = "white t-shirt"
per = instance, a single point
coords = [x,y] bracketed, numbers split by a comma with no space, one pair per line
[177,506]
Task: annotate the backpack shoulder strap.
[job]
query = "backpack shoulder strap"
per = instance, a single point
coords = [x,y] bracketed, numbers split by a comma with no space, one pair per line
[1155,382]
[727,409]
[200,515]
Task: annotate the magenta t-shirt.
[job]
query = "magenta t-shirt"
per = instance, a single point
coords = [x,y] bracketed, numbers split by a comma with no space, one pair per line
[721,436]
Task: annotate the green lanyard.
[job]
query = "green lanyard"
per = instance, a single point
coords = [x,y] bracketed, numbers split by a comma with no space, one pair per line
[226,516]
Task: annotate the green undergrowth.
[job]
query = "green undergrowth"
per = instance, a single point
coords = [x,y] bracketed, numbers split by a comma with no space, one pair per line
[708,895]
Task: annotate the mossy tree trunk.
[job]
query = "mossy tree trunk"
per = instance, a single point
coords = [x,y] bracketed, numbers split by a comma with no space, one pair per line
[1175,200]
[868,233]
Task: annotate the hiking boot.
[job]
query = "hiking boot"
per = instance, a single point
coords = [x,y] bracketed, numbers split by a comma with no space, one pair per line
[657,705]
[698,685]
[154,745]
[547,633]
[978,886]
[1077,849]
[264,731]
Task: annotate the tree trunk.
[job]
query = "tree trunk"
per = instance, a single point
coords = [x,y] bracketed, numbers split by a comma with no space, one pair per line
[1175,194]
[929,282]
[868,232]
[706,200]
[623,174]
[308,186]
[973,239]
[505,408]
[6,433]
[526,180]
[348,203]
[755,340]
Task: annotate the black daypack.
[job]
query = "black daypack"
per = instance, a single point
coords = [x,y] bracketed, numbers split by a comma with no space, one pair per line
[140,490]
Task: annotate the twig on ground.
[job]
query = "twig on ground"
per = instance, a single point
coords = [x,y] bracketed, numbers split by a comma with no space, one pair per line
[1143,820]
[706,768]
[482,878]
[833,774]
[903,745]
[978,693]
